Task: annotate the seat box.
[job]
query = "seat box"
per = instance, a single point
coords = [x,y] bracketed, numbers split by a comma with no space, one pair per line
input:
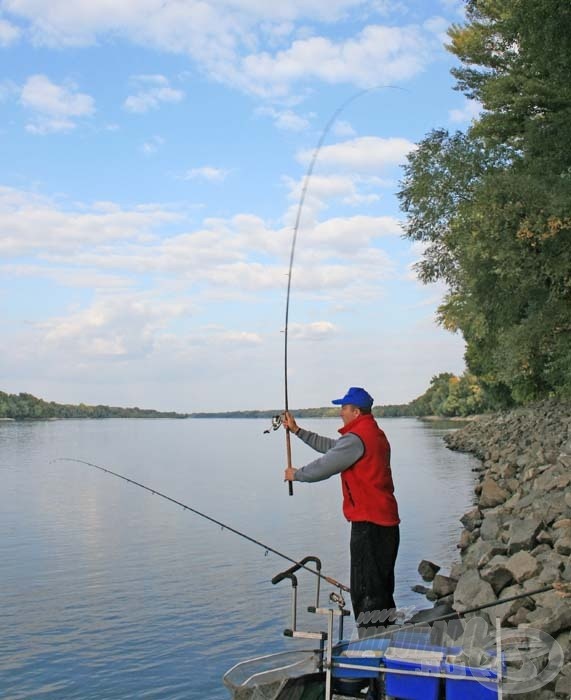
[409,686]
[462,688]
[366,652]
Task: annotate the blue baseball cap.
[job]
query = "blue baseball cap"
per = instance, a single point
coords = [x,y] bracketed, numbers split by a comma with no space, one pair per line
[357,397]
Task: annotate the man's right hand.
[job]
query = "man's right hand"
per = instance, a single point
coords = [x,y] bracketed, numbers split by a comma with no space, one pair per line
[289,422]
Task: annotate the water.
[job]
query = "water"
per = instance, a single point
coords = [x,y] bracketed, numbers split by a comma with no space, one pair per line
[109,592]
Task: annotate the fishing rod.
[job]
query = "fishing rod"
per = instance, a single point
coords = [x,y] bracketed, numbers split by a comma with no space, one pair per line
[224,526]
[307,179]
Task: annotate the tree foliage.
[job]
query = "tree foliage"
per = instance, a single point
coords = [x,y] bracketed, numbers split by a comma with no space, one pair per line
[27,407]
[493,205]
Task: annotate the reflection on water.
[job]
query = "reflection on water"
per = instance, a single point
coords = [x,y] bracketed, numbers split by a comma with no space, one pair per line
[109,592]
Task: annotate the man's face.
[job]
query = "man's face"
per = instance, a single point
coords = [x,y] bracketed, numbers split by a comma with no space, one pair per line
[348,413]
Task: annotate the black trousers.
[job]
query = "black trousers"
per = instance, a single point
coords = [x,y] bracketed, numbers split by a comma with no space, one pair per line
[374,551]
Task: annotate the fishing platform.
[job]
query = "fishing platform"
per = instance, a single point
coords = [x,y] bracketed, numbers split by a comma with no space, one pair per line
[404,662]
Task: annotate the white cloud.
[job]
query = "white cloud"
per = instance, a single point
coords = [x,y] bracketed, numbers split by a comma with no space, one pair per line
[152,90]
[287,120]
[470,110]
[9,33]
[54,107]
[354,232]
[365,154]
[439,27]
[227,39]
[378,55]
[120,326]
[343,128]
[31,223]
[206,172]
[317,330]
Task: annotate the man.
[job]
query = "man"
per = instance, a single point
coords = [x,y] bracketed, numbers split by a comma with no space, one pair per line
[362,456]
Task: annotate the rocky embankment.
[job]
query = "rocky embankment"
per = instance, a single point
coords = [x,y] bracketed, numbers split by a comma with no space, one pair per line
[517,537]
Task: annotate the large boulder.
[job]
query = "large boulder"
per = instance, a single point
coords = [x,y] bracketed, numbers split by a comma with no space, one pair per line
[523,534]
[471,591]
[443,585]
[523,566]
[497,574]
[492,494]
[428,569]
[552,620]
[472,519]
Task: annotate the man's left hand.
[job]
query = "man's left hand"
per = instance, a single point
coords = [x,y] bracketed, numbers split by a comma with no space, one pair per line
[289,474]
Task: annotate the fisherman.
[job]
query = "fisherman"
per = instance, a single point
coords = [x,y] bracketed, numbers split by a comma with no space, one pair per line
[362,456]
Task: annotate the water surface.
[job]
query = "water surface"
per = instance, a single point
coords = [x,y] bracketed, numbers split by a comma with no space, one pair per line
[109,592]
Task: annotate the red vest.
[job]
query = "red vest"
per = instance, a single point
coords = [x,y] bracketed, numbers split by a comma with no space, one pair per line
[368,484]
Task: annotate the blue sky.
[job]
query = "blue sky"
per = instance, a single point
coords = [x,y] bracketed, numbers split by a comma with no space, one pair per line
[152,159]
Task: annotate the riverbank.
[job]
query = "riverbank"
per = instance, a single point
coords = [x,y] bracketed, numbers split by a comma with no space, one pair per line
[517,537]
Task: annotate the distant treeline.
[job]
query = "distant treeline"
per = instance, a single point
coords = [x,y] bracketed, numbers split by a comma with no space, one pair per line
[25,406]
[447,395]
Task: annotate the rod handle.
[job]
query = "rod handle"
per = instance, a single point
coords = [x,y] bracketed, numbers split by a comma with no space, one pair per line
[288,451]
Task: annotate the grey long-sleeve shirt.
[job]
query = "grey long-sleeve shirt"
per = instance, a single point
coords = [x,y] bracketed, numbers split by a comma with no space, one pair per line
[338,455]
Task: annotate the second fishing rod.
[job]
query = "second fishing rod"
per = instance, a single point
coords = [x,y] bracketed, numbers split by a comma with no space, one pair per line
[302,564]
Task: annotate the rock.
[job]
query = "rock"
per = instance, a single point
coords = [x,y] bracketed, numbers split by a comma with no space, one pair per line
[497,574]
[491,526]
[551,620]
[506,610]
[466,539]
[443,585]
[564,641]
[523,534]
[563,686]
[471,592]
[492,494]
[488,551]
[563,545]
[544,537]
[420,589]
[471,519]
[542,551]
[428,569]
[456,570]
[520,617]
[523,566]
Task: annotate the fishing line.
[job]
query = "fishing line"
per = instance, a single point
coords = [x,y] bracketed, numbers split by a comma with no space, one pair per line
[307,179]
[224,526]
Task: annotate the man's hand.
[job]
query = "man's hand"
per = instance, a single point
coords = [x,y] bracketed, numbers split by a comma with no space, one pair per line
[289,474]
[289,422]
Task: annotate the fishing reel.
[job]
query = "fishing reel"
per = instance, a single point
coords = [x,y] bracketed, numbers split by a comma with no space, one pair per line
[337,598]
[276,423]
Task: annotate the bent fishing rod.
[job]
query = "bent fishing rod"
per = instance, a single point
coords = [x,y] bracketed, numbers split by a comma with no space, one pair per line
[276,421]
[224,526]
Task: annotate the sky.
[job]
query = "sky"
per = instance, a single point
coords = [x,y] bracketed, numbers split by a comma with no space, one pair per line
[153,155]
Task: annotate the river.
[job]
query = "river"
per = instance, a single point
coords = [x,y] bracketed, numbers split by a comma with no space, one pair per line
[108,592]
